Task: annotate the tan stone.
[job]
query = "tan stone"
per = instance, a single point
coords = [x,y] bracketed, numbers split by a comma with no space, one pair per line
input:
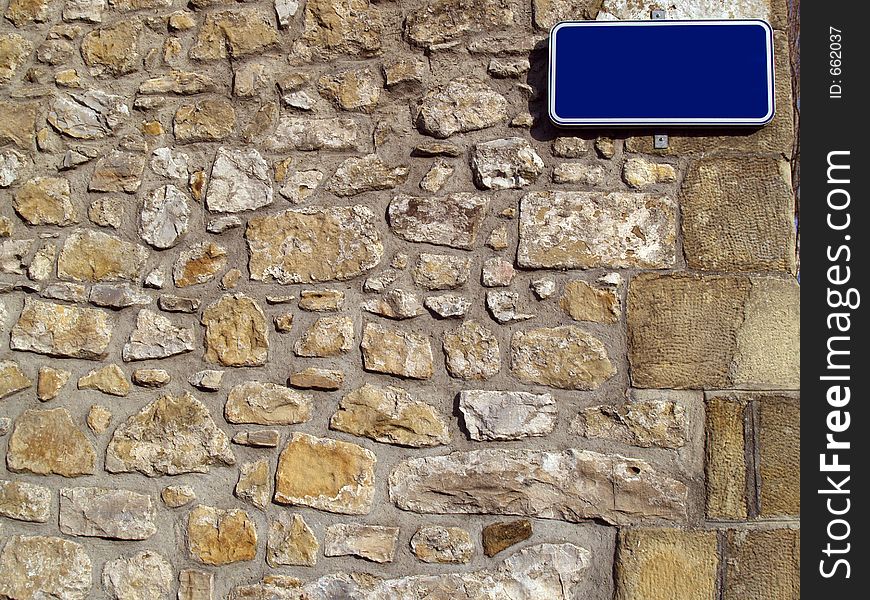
[763,565]
[396,352]
[779,440]
[354,90]
[145,575]
[199,264]
[155,336]
[195,585]
[25,501]
[369,173]
[645,423]
[45,201]
[12,379]
[49,382]
[59,330]
[371,542]
[726,469]
[94,256]
[178,82]
[563,357]
[463,104]
[471,352]
[291,542]
[327,336]
[738,215]
[452,220]
[445,21]
[663,564]
[581,230]
[152,378]
[315,378]
[19,123]
[253,483]
[321,300]
[117,172]
[113,50]
[233,34]
[47,442]
[688,331]
[390,415]
[585,302]
[313,244]
[444,545]
[236,333]
[208,120]
[267,404]
[107,513]
[549,12]
[36,567]
[325,474]
[176,496]
[109,380]
[169,436]
[501,536]
[220,537]
[333,28]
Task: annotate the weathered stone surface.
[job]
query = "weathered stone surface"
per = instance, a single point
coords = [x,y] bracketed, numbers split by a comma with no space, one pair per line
[264,403]
[471,352]
[117,296]
[152,378]
[686,9]
[109,380]
[209,120]
[233,34]
[13,166]
[390,415]
[570,485]
[371,542]
[738,215]
[325,474]
[92,256]
[106,212]
[563,357]
[170,163]
[145,575]
[549,12]
[178,82]
[300,185]
[169,436]
[579,173]
[335,134]
[662,564]
[19,123]
[404,73]
[321,300]
[164,217]
[779,440]
[179,304]
[99,418]
[446,21]
[501,536]
[505,164]
[585,302]
[396,352]
[25,501]
[60,330]
[327,336]
[47,442]
[240,180]
[441,271]
[113,50]
[506,415]
[198,264]
[335,28]
[497,272]
[45,201]
[176,496]
[221,537]
[447,306]
[504,68]
[12,255]
[12,379]
[396,304]
[107,513]
[313,244]
[714,332]
[291,542]
[260,438]
[452,220]
[437,176]
[464,104]
[580,230]
[49,382]
[643,423]
[444,545]
[117,172]
[236,332]
[639,173]
[725,464]
[503,306]
[34,567]
[354,89]
[316,378]
[762,564]
[88,115]
[195,585]
[155,336]
[368,173]
[253,484]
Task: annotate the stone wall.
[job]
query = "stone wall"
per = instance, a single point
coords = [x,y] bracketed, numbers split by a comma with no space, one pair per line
[308,300]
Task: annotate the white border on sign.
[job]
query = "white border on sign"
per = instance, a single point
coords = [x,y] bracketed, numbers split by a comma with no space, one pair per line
[771,100]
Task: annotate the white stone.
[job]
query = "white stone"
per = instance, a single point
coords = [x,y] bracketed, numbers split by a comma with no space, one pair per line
[170,163]
[505,164]
[164,217]
[146,575]
[240,180]
[507,415]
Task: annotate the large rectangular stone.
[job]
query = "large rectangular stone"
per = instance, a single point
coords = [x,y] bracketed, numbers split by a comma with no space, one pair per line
[738,215]
[714,332]
[763,565]
[779,439]
[726,458]
[584,230]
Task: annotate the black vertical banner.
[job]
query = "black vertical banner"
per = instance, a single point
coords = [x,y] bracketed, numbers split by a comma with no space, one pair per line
[834,171]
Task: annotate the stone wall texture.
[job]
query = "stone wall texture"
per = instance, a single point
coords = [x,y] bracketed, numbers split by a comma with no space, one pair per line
[306,299]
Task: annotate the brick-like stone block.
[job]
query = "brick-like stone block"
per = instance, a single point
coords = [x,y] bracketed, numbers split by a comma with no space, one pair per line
[725,453]
[738,215]
[779,439]
[763,565]
[714,332]
[666,564]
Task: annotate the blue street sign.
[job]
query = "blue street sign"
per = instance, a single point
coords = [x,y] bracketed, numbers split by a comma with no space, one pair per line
[661,73]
